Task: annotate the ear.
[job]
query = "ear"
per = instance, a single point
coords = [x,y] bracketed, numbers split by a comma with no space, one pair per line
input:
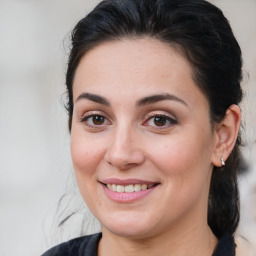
[226,134]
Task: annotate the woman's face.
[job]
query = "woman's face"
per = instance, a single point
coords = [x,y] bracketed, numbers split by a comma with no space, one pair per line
[141,139]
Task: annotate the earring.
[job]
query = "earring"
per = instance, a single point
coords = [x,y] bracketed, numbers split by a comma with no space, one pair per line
[222,161]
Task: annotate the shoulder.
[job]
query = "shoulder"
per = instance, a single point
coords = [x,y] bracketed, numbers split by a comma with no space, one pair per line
[76,247]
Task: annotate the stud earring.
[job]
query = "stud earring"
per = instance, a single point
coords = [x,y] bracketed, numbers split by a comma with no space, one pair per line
[222,161]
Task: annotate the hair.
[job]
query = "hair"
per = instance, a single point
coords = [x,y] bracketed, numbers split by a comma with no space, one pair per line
[201,33]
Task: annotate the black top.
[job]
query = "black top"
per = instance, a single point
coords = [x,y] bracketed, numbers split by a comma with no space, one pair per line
[88,245]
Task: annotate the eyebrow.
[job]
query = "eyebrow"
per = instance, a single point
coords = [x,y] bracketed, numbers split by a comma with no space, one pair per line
[159,97]
[93,97]
[144,101]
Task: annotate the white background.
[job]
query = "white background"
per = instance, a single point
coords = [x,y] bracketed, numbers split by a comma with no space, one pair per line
[35,159]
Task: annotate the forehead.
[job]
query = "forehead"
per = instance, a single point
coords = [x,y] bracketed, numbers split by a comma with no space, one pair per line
[135,66]
[134,54]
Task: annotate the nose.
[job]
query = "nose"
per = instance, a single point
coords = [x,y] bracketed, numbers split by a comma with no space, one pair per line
[125,150]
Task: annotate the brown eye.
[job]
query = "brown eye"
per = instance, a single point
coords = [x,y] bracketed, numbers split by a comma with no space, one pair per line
[95,121]
[160,120]
[98,120]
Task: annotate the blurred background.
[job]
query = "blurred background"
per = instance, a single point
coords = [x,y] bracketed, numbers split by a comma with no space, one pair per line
[35,164]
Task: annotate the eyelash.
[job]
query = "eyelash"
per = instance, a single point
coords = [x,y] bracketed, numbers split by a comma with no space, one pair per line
[163,118]
[171,121]
[85,120]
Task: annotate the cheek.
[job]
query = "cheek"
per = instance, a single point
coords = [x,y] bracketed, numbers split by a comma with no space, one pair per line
[184,159]
[85,153]
[177,154]
[86,156]
[185,168]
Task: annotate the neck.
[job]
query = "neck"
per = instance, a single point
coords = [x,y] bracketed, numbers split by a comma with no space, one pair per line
[194,241]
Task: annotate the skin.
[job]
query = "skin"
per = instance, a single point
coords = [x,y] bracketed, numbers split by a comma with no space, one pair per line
[129,144]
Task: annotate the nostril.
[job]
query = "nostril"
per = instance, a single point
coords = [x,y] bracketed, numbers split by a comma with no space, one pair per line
[127,166]
[124,151]
[124,160]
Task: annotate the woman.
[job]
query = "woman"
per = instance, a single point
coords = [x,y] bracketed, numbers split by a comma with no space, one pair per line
[153,89]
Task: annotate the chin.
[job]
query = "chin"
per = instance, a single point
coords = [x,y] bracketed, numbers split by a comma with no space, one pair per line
[130,232]
[125,226]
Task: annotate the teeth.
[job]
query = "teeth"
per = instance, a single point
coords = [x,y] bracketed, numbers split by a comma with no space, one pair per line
[137,188]
[119,188]
[144,187]
[129,188]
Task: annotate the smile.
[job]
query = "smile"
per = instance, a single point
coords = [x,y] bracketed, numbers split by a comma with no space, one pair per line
[128,188]
[127,191]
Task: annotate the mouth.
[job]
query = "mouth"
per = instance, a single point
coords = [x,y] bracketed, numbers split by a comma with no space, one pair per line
[130,188]
[127,191]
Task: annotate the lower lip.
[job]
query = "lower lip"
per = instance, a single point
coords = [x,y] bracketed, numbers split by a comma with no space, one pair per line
[124,197]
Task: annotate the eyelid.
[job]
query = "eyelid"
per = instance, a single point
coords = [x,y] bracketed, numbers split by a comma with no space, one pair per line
[161,113]
[94,113]
[89,114]
[171,118]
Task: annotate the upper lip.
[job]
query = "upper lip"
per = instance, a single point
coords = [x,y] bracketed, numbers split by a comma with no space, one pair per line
[127,181]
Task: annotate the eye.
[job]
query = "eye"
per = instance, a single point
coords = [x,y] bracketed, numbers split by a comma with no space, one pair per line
[160,120]
[95,120]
